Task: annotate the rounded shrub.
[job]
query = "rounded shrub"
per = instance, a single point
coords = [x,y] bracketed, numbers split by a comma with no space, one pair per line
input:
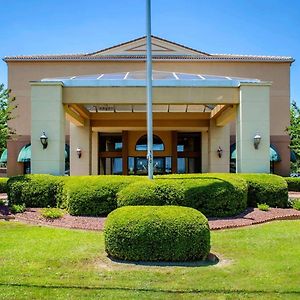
[38,190]
[266,188]
[3,185]
[93,195]
[147,192]
[293,184]
[213,195]
[157,233]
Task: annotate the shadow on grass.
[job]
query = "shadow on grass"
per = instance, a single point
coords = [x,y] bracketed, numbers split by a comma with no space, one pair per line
[154,290]
[210,261]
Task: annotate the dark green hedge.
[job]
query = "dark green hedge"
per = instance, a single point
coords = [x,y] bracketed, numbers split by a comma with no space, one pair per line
[157,233]
[34,190]
[155,192]
[293,184]
[266,188]
[93,195]
[3,185]
[214,195]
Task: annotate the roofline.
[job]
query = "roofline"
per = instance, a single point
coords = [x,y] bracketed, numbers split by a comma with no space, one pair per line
[143,37]
[224,57]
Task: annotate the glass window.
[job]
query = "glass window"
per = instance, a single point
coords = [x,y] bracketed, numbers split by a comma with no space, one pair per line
[158,144]
[189,142]
[110,143]
[117,166]
[181,168]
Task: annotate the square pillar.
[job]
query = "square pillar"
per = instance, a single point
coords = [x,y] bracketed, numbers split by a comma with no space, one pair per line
[219,136]
[80,137]
[47,114]
[253,117]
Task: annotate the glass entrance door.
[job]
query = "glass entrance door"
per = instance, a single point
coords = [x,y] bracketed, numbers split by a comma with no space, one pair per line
[138,165]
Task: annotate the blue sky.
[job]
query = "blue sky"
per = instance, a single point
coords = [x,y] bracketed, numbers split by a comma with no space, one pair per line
[265,27]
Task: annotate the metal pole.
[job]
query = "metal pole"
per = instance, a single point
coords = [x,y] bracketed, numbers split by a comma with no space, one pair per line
[149,91]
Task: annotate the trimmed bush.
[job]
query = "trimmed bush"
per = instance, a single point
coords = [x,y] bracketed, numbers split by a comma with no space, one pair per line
[157,233]
[293,184]
[266,188]
[93,195]
[147,192]
[214,195]
[3,185]
[36,190]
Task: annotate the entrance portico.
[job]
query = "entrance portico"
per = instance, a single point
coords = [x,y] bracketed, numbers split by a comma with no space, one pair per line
[103,104]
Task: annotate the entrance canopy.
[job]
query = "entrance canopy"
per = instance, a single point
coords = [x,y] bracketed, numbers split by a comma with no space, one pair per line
[160,78]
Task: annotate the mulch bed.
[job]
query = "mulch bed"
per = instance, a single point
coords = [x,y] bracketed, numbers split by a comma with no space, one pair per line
[251,216]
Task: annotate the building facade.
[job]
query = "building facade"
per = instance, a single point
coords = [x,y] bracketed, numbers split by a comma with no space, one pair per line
[210,111]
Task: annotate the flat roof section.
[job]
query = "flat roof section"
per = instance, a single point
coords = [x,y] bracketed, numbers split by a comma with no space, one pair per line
[160,78]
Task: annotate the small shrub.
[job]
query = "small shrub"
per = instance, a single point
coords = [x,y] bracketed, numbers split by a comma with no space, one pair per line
[157,233]
[17,208]
[52,213]
[296,204]
[38,190]
[263,206]
[3,185]
[270,188]
[293,184]
[2,202]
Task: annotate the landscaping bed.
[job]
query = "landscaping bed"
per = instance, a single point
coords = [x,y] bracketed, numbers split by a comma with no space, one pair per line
[249,217]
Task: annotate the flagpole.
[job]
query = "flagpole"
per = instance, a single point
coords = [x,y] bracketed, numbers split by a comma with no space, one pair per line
[149,92]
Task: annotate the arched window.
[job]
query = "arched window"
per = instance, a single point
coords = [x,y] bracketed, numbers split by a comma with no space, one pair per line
[141,144]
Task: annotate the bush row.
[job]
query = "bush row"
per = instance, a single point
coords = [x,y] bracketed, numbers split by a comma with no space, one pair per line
[157,233]
[213,194]
[293,183]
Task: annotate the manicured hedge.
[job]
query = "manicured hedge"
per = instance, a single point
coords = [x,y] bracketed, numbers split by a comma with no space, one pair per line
[266,188]
[155,192]
[157,233]
[3,185]
[214,195]
[93,195]
[34,190]
[293,183]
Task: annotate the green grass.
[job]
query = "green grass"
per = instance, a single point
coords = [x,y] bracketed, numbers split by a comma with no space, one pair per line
[260,262]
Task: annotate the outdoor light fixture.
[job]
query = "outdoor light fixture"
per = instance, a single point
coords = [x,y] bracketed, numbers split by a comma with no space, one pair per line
[44,140]
[78,150]
[220,152]
[256,140]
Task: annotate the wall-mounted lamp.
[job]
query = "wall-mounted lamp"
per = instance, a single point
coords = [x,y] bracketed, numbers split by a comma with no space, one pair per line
[256,140]
[44,140]
[220,152]
[78,150]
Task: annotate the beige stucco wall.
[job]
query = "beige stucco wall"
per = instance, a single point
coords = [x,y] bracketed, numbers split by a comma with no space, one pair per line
[21,73]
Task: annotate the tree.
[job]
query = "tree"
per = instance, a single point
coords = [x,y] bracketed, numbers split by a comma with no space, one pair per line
[6,108]
[294,132]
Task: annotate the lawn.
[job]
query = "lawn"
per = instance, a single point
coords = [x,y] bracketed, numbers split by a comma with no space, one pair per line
[259,262]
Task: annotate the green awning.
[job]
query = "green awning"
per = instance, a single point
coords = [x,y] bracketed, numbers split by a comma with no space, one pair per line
[25,153]
[3,158]
[274,155]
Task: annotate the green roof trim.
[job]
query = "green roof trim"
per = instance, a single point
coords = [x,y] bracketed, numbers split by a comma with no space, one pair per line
[25,153]
[3,158]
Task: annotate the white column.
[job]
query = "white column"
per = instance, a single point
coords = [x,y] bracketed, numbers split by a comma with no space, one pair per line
[47,114]
[253,117]
[219,136]
[80,137]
